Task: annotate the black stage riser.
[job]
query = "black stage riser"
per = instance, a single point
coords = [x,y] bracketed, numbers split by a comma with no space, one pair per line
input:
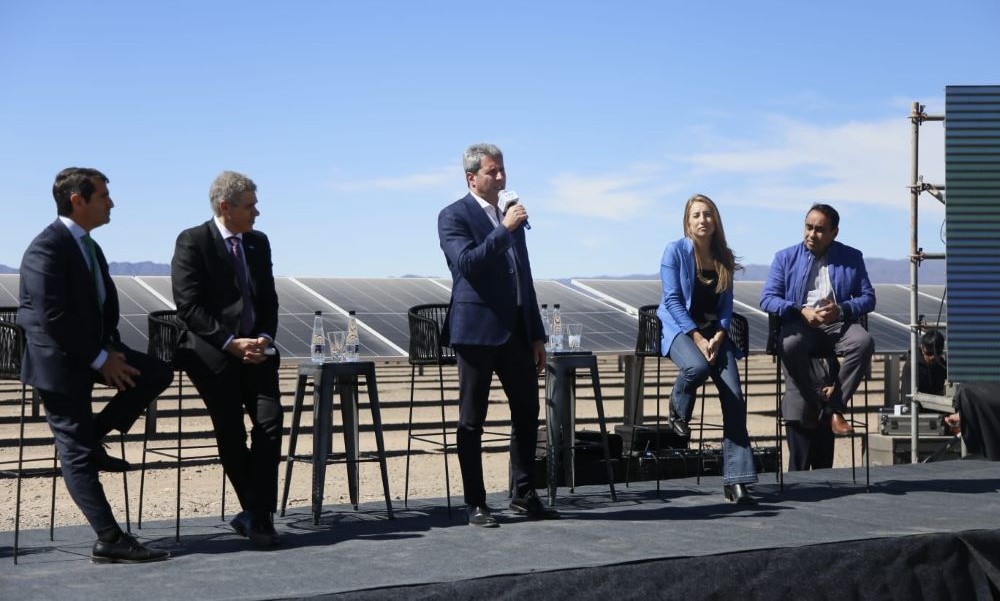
[961,567]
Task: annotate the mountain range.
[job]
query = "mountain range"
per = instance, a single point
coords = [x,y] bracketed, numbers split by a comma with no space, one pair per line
[880,271]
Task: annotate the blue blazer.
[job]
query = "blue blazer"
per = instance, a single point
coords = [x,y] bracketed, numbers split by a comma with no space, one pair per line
[483,307]
[784,292]
[64,323]
[677,275]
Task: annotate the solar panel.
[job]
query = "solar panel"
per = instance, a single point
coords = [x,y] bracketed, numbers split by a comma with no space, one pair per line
[10,294]
[626,294]
[894,303]
[381,303]
[135,304]
[606,328]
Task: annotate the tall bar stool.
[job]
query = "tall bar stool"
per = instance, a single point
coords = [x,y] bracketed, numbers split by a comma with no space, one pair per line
[774,348]
[12,346]
[739,334]
[12,343]
[425,323]
[647,345]
[9,314]
[425,350]
[164,332]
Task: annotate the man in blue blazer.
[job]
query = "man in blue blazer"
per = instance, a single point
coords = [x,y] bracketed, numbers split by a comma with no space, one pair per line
[494,325]
[69,311]
[820,290]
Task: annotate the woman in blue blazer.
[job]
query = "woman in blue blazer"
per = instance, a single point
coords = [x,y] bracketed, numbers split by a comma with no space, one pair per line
[696,307]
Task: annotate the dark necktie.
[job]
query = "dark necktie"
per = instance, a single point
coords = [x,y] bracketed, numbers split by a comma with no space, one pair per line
[246,317]
[95,267]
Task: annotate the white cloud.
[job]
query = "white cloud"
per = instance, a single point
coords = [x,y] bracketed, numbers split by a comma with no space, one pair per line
[429,179]
[619,196]
[852,162]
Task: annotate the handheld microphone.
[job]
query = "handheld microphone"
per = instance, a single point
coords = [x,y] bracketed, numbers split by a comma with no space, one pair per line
[508,198]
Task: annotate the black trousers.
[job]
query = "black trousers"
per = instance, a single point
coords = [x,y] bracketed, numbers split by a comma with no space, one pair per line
[78,432]
[514,365]
[809,448]
[252,470]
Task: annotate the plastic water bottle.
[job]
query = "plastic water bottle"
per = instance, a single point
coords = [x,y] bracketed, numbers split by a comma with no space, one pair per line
[555,330]
[318,338]
[352,345]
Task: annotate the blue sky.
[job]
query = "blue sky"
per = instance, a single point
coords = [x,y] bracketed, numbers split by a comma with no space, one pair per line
[352,117]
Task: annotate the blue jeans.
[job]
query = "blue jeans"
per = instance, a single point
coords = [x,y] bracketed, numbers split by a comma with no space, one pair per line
[737,456]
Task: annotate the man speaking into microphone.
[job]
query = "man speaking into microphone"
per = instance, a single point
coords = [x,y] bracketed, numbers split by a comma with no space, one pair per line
[494,325]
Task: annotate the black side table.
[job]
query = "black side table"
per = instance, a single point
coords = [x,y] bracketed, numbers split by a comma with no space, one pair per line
[560,416]
[342,377]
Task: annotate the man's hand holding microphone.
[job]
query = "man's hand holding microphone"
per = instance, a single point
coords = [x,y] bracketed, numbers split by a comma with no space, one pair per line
[514,213]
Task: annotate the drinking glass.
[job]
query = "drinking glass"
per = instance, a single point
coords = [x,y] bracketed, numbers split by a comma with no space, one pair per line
[573,332]
[337,339]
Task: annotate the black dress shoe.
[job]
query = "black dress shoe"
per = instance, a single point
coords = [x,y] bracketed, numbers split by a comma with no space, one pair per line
[125,550]
[107,463]
[679,425]
[480,515]
[738,493]
[262,532]
[242,523]
[531,506]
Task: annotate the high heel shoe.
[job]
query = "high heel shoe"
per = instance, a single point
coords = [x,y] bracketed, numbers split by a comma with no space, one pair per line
[679,425]
[738,493]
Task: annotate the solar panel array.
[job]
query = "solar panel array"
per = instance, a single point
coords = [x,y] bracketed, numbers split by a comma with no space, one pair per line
[889,324]
[607,309]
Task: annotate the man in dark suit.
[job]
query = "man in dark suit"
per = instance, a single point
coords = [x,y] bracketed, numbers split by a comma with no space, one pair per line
[69,311]
[494,325]
[223,287]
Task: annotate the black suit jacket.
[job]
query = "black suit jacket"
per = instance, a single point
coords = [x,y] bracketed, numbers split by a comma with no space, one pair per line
[65,324]
[207,293]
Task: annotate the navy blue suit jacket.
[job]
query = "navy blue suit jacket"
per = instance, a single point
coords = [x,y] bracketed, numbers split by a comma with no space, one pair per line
[207,293]
[64,323]
[483,307]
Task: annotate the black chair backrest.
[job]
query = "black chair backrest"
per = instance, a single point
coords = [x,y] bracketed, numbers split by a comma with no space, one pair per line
[739,333]
[164,332]
[425,336]
[773,332]
[12,344]
[647,341]
[8,314]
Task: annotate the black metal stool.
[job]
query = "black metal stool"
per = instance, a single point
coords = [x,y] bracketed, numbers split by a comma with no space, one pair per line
[164,331]
[774,348]
[12,347]
[560,417]
[344,378]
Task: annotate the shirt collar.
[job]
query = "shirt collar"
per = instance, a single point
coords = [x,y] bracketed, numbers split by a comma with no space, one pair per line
[74,228]
[482,203]
[226,234]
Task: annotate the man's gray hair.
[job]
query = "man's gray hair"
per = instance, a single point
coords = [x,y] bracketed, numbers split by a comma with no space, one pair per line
[228,186]
[472,160]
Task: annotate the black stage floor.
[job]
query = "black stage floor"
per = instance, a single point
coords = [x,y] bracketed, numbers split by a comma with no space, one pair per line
[925,518]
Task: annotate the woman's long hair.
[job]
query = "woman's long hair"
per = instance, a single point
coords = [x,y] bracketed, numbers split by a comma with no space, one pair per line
[725,261]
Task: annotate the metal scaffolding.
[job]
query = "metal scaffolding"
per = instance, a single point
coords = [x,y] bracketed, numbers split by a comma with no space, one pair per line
[918,117]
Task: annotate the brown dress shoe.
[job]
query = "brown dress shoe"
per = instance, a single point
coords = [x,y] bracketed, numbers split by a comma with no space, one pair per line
[839,425]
